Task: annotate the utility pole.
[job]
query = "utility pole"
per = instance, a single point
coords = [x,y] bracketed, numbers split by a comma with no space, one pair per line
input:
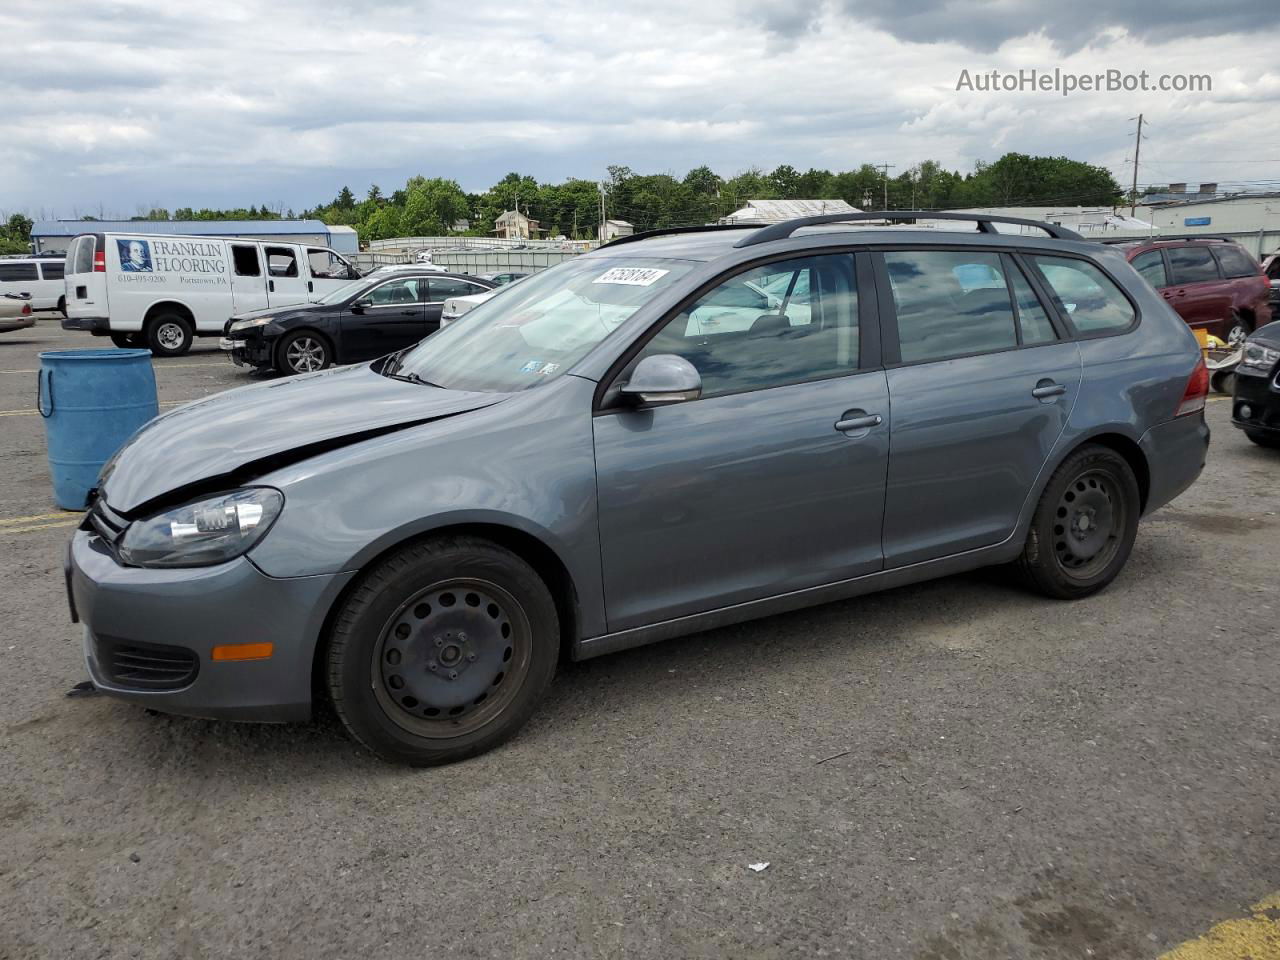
[1137,146]
[885,167]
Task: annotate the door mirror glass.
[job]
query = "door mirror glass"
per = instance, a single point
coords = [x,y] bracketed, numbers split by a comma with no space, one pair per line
[661,379]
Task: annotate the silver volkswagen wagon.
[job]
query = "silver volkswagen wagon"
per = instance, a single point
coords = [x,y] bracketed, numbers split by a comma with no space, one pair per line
[680,430]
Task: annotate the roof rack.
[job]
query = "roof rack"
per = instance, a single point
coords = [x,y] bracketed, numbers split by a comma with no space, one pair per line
[780,231]
[664,231]
[1156,238]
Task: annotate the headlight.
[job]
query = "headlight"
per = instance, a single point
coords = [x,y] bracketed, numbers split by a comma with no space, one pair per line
[1259,357]
[203,533]
[250,324]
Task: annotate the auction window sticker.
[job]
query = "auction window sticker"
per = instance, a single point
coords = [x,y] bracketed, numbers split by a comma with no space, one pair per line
[632,276]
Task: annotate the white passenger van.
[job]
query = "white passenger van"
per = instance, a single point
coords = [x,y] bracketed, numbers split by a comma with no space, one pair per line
[163,291]
[38,278]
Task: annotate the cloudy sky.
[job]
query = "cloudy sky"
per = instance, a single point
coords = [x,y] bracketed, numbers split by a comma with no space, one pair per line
[124,105]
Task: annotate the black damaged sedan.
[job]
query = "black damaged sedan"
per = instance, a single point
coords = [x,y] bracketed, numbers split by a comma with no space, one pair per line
[363,320]
[1255,404]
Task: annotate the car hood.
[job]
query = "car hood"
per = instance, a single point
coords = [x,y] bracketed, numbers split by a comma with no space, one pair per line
[231,437]
[284,311]
[1268,335]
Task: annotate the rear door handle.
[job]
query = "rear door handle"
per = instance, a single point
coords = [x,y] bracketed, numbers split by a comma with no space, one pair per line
[311,287]
[859,423]
[1047,388]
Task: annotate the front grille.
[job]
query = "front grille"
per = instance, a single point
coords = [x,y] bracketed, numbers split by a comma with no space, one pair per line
[146,666]
[106,522]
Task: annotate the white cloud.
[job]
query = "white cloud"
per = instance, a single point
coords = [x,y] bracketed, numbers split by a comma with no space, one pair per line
[130,103]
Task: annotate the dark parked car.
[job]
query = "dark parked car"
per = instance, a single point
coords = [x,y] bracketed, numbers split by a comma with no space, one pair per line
[367,318]
[1255,406]
[608,454]
[1271,267]
[502,279]
[1212,282]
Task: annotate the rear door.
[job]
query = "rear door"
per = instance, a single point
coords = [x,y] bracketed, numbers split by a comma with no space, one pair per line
[981,383]
[440,289]
[388,317]
[86,277]
[248,283]
[1196,290]
[286,279]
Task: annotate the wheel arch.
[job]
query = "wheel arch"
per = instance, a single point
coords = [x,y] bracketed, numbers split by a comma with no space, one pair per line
[169,306]
[533,550]
[1118,441]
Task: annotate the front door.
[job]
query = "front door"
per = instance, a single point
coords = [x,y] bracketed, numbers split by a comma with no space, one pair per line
[286,280]
[327,271]
[749,491]
[981,393]
[392,316]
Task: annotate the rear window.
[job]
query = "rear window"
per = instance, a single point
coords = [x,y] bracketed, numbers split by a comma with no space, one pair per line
[1235,262]
[83,255]
[17,271]
[53,270]
[1192,264]
[1086,295]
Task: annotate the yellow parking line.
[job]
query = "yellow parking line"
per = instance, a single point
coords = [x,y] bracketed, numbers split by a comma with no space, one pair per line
[4,531]
[1255,937]
[32,413]
[9,521]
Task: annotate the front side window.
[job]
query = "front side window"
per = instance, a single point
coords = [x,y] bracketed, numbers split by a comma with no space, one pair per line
[785,322]
[281,262]
[1151,266]
[540,328]
[1235,262]
[1086,294]
[1192,264]
[443,288]
[327,265]
[53,270]
[18,271]
[396,292]
[951,303]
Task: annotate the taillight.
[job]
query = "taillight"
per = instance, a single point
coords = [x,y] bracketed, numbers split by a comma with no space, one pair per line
[1197,390]
[26,309]
[100,261]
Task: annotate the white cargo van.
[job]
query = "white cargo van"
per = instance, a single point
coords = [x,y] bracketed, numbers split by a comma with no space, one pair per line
[39,278]
[163,291]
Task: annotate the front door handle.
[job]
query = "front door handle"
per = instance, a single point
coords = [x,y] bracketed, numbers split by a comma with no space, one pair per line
[859,423]
[1047,388]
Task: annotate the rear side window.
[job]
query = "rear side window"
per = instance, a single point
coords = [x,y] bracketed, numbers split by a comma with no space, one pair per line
[950,303]
[1086,294]
[1033,319]
[53,270]
[1192,264]
[1151,266]
[1235,262]
[245,260]
[17,271]
[442,288]
[281,262]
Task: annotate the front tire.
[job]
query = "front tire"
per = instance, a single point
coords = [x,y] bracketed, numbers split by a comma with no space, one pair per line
[303,352]
[1084,526]
[1237,331]
[442,651]
[169,335]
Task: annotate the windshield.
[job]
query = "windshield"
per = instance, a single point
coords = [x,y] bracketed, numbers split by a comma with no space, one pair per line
[341,293]
[541,326]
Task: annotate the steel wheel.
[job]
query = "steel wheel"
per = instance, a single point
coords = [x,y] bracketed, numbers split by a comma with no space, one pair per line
[451,658]
[170,336]
[1088,524]
[305,354]
[1237,333]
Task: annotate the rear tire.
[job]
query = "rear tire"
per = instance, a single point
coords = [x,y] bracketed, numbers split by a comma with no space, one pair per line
[169,335]
[1237,330]
[62,306]
[442,651]
[1223,381]
[1269,440]
[1084,526]
[127,341]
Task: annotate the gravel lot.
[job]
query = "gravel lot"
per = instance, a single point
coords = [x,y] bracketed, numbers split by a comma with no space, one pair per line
[949,771]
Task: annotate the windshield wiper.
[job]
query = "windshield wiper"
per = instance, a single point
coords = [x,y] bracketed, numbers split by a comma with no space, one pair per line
[411,377]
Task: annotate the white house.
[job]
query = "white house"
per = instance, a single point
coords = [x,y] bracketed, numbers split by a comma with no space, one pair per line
[776,211]
[612,229]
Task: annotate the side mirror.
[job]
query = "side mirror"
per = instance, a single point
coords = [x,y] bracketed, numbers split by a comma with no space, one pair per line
[360,306]
[662,379]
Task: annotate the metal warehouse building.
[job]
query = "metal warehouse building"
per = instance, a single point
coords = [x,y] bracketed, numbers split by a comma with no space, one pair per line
[55,235]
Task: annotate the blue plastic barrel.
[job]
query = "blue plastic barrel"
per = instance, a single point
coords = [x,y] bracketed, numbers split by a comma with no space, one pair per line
[92,401]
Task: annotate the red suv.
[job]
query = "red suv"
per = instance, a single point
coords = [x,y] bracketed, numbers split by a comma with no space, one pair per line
[1212,282]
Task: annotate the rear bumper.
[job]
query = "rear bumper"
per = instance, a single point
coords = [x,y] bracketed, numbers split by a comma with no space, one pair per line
[1175,453]
[133,614]
[98,325]
[17,323]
